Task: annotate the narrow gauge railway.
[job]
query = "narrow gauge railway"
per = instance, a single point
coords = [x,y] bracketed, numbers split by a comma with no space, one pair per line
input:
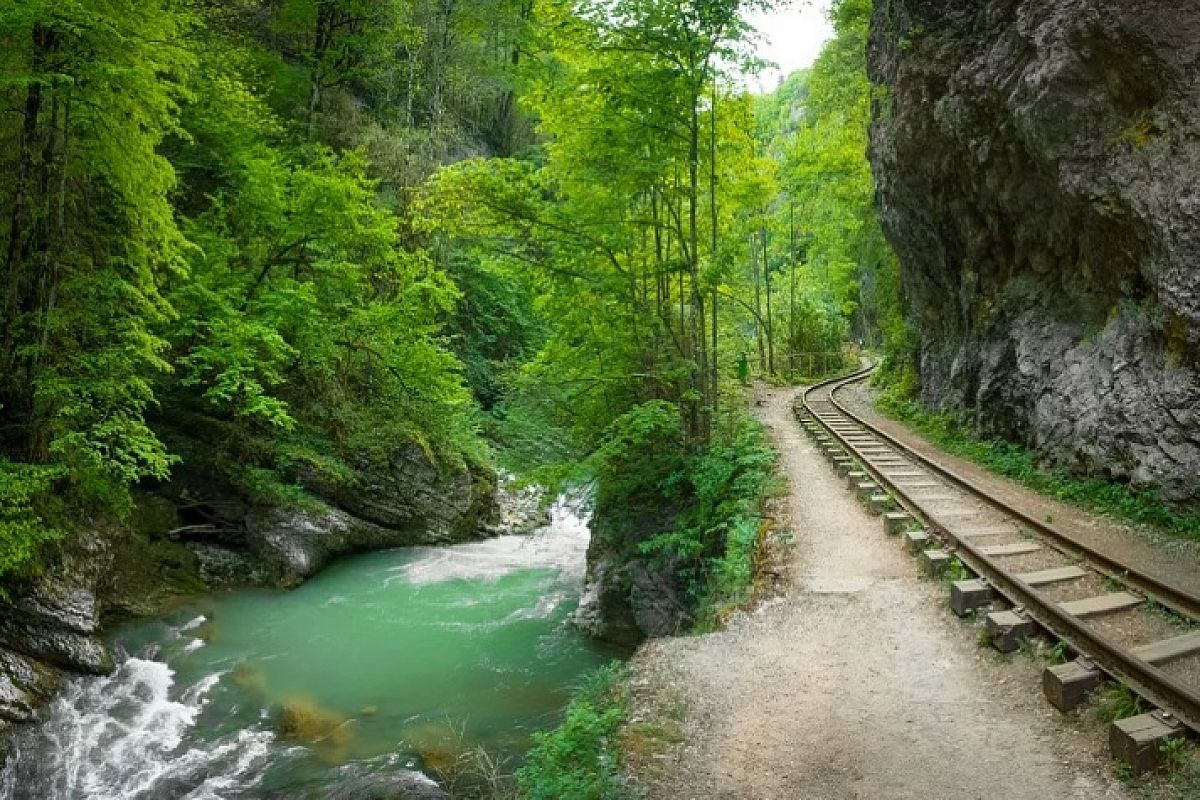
[1024,574]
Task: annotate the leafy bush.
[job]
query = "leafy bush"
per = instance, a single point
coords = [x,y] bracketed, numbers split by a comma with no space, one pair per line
[730,479]
[642,458]
[1116,701]
[581,759]
[715,494]
[26,500]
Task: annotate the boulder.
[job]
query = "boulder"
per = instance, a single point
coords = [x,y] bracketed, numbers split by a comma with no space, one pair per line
[24,685]
[408,492]
[404,502]
[629,596]
[54,619]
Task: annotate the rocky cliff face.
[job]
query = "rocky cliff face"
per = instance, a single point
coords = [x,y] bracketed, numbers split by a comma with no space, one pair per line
[405,501]
[1038,165]
[50,628]
[629,597]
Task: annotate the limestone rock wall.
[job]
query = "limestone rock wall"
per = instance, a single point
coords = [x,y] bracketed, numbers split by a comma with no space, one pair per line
[408,492]
[50,628]
[629,597]
[1038,170]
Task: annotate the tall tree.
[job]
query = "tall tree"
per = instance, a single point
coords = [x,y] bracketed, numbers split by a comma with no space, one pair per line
[92,91]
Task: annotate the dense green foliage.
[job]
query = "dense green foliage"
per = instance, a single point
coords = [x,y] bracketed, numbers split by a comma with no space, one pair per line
[953,432]
[824,237]
[207,235]
[581,759]
[233,248]
[731,481]
[662,239]
[698,511]
[221,253]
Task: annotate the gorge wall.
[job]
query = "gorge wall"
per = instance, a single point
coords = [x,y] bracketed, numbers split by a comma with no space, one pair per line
[1038,172]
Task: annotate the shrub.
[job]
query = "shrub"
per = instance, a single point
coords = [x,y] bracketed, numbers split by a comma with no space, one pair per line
[26,503]
[581,759]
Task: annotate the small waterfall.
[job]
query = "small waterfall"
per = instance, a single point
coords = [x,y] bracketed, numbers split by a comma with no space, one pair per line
[191,716]
[560,546]
[120,737]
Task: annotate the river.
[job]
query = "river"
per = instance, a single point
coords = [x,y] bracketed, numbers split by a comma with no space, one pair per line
[386,662]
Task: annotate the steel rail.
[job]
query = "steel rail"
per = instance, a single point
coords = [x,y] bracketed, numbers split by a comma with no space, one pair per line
[1178,600]
[1144,678]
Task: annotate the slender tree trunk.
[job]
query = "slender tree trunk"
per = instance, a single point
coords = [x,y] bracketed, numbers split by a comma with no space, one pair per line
[28,232]
[792,284]
[698,316]
[52,190]
[25,180]
[322,40]
[411,91]
[758,323]
[766,264]
[715,221]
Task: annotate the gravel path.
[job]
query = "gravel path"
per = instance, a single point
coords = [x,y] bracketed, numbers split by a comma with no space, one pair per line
[855,683]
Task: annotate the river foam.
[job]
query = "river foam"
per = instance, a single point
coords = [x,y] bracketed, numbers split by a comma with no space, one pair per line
[119,738]
[403,648]
[561,547]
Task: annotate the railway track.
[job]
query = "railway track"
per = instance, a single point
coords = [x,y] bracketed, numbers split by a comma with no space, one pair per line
[1024,574]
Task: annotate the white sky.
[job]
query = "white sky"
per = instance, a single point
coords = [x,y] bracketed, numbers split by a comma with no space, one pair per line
[792,37]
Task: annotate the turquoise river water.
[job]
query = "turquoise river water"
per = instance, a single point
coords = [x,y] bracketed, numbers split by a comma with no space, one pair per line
[392,661]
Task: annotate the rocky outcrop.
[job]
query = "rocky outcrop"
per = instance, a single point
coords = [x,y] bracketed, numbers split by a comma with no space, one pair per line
[1037,165]
[52,628]
[519,509]
[629,596]
[626,603]
[405,501]
[408,492]
[292,544]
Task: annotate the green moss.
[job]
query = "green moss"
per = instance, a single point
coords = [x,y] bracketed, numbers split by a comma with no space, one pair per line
[1142,130]
[1177,347]
[1179,778]
[31,516]
[149,571]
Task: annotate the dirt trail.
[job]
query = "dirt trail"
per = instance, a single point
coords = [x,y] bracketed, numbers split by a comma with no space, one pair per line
[856,683]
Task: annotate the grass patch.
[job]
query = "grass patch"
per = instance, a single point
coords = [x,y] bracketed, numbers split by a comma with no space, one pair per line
[952,433]
[1178,779]
[1153,606]
[956,571]
[581,759]
[1116,701]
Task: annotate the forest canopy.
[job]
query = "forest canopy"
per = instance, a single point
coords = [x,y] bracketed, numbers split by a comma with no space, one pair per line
[277,238]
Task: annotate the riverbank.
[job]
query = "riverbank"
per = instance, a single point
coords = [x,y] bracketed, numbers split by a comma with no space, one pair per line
[382,665]
[195,536]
